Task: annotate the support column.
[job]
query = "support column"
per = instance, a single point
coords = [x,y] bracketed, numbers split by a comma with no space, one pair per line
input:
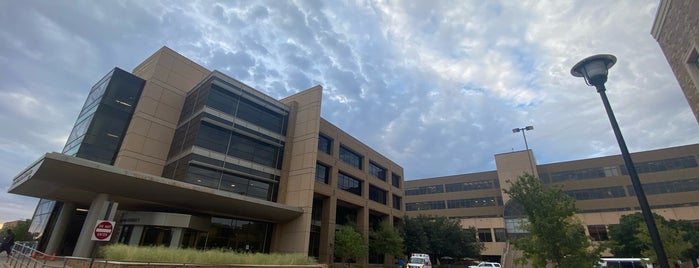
[327,230]
[98,210]
[59,229]
[176,239]
[136,234]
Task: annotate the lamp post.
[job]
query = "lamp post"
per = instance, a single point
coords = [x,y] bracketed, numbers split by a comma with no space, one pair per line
[515,130]
[594,69]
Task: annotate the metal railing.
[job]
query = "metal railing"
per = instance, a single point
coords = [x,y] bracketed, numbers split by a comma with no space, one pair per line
[25,255]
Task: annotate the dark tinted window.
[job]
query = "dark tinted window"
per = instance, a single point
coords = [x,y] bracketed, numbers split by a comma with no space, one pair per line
[350,157]
[377,194]
[324,144]
[377,171]
[349,183]
[395,180]
[322,173]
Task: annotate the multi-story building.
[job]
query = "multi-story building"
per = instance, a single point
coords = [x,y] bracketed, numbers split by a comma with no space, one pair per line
[677,32]
[600,186]
[180,156]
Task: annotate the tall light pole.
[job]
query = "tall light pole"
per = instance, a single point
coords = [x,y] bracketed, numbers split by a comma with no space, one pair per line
[527,128]
[594,69]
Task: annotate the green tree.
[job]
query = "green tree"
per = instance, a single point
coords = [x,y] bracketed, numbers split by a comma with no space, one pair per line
[349,244]
[554,233]
[21,231]
[622,237]
[439,237]
[386,240]
[626,239]
[672,239]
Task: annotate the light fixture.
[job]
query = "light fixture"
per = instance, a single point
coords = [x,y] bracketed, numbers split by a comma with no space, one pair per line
[595,69]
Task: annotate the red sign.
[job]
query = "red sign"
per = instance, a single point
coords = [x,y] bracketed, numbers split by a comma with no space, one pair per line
[103,231]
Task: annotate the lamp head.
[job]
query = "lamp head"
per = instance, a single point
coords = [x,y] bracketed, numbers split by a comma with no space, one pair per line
[594,69]
[515,130]
[529,128]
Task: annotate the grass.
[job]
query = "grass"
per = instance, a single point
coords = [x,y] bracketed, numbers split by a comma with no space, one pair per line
[120,252]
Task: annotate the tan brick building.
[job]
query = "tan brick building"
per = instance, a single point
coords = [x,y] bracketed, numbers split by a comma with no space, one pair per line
[676,28]
[180,156]
[600,186]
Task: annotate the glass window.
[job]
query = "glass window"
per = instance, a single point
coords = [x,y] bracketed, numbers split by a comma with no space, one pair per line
[663,165]
[667,187]
[395,180]
[500,235]
[222,100]
[261,116]
[484,235]
[324,144]
[213,137]
[471,185]
[429,189]
[350,157]
[349,183]
[322,173]
[597,193]
[397,202]
[474,202]
[598,232]
[377,194]
[377,171]
[429,205]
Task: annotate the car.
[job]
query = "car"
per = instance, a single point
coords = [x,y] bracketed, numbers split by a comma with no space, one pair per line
[486,265]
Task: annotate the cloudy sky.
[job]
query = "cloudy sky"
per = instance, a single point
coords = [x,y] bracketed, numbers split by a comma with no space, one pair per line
[437,86]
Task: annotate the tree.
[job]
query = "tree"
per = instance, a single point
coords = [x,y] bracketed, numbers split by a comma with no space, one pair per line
[554,233]
[386,240]
[349,244]
[21,231]
[440,237]
[628,238]
[672,239]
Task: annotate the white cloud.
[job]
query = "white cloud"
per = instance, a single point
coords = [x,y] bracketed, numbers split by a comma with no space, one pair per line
[435,86]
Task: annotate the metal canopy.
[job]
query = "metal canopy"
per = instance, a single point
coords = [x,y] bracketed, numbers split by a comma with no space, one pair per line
[64,178]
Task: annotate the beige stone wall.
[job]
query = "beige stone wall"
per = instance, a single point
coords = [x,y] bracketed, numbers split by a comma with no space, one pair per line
[169,76]
[677,33]
[512,165]
[298,170]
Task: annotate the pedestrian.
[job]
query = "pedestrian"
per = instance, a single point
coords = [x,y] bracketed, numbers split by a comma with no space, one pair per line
[7,243]
[400,263]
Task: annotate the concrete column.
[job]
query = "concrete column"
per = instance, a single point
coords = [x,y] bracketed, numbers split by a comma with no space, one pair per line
[136,234]
[327,230]
[176,239]
[59,229]
[98,210]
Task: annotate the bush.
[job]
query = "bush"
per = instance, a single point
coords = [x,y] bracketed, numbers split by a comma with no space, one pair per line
[120,252]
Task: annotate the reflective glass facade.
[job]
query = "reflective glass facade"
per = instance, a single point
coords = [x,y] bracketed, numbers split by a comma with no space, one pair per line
[97,133]
[242,133]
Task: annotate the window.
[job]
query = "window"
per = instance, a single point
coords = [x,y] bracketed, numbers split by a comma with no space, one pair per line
[377,171]
[598,232]
[500,235]
[597,193]
[429,205]
[472,185]
[349,183]
[666,187]
[377,194]
[396,202]
[395,180]
[429,189]
[484,235]
[350,157]
[663,165]
[324,144]
[322,173]
[475,202]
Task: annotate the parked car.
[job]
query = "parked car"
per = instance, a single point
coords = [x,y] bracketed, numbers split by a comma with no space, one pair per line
[486,265]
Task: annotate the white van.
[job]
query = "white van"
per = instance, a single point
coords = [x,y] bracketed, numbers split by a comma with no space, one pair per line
[625,263]
[419,260]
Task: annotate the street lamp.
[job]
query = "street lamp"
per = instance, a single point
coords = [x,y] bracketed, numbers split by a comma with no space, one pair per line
[594,69]
[515,130]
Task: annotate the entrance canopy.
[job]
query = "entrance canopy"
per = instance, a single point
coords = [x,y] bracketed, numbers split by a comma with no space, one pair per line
[65,178]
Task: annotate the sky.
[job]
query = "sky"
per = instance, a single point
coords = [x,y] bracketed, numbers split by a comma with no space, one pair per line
[435,86]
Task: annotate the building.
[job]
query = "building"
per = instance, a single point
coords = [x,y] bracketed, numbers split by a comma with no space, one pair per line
[180,156]
[600,186]
[675,29]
